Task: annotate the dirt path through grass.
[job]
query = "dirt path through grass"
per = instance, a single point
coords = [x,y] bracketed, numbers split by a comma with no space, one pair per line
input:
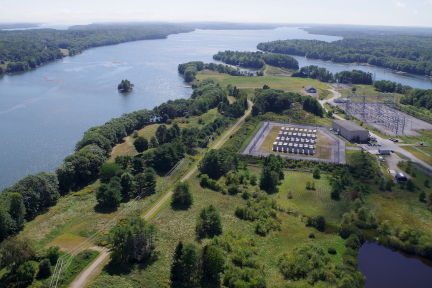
[88,274]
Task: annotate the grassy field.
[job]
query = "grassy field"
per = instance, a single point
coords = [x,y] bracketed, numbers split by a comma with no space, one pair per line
[271,70]
[288,84]
[323,145]
[65,52]
[175,225]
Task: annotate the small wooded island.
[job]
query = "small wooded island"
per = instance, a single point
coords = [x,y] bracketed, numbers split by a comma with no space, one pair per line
[125,86]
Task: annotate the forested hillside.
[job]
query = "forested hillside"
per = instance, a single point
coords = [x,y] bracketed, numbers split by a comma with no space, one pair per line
[22,50]
[405,53]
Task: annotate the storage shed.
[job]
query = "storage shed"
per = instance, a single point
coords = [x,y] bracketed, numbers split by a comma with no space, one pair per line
[401,178]
[350,131]
[310,89]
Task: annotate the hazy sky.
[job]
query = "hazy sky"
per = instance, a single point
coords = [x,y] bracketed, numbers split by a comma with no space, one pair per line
[368,12]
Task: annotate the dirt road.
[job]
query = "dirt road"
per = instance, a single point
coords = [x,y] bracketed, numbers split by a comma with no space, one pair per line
[89,273]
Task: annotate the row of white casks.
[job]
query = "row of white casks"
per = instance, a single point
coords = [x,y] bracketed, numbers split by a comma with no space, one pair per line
[295,140]
[298,130]
[297,135]
[307,149]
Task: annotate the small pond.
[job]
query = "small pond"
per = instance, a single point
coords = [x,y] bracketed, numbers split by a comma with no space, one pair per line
[384,267]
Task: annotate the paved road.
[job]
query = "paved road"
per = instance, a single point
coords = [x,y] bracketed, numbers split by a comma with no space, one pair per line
[385,143]
[85,276]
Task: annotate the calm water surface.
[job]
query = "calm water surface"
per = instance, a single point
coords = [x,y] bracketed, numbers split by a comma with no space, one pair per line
[44,112]
[386,268]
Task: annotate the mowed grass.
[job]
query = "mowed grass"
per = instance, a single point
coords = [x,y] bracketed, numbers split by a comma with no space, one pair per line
[288,84]
[322,151]
[179,225]
[420,153]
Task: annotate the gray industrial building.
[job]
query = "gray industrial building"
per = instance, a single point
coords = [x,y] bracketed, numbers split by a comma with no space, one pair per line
[350,131]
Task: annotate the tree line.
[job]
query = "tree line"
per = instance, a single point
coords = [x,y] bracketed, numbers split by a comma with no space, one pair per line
[391,87]
[256,59]
[407,53]
[31,48]
[322,74]
[277,101]
[34,193]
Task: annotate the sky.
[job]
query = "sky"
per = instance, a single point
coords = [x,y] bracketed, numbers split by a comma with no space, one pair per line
[365,12]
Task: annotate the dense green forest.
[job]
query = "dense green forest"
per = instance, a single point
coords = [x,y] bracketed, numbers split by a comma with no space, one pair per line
[271,100]
[22,50]
[256,59]
[418,98]
[405,53]
[391,87]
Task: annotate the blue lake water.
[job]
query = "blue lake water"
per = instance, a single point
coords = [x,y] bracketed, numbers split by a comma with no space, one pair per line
[45,111]
[384,267]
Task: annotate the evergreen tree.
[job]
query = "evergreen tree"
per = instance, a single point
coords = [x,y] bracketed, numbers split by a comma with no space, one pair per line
[381,186]
[316,172]
[410,185]
[388,186]
[422,196]
[213,262]
[189,262]
[176,264]
[235,163]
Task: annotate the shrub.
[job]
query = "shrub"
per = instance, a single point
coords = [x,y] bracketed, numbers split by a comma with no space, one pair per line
[233,189]
[253,180]
[246,194]
[346,230]
[135,134]
[311,235]
[169,121]
[332,251]
[353,242]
